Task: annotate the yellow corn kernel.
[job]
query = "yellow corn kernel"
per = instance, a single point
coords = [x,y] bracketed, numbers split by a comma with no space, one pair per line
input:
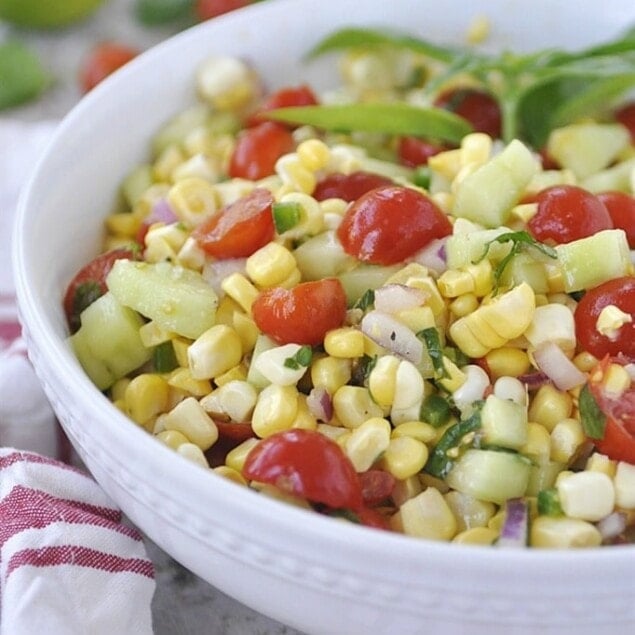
[585,362]
[456,377]
[146,396]
[172,438]
[555,278]
[118,389]
[586,495]
[405,490]
[624,483]
[616,380]
[507,362]
[226,83]
[382,380]
[426,515]
[333,206]
[181,378]
[236,457]
[372,349]
[344,342]
[234,400]
[404,457]
[549,406]
[353,405]
[199,166]
[193,200]
[567,437]
[524,212]
[538,444]
[168,160]
[190,419]
[214,352]
[453,283]
[482,278]
[368,442]
[123,224]
[236,373]
[419,430]
[464,304]
[476,536]
[148,198]
[294,175]
[193,453]
[563,532]
[218,146]
[497,520]
[120,404]
[417,318]
[447,163]
[304,418]
[466,340]
[230,474]
[270,265]
[330,373]
[275,410]
[331,430]
[601,463]
[246,329]
[469,511]
[152,334]
[313,154]
[476,148]
[225,311]
[237,287]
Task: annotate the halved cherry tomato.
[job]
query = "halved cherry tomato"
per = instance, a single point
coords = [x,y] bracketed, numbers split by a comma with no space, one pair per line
[307,464]
[258,149]
[566,213]
[618,442]
[103,60]
[391,223]
[478,107]
[626,116]
[413,151]
[283,98]
[377,486]
[207,9]
[348,186]
[621,207]
[240,229]
[89,284]
[619,292]
[302,314]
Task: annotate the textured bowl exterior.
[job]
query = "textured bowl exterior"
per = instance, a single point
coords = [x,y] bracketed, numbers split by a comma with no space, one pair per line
[315,574]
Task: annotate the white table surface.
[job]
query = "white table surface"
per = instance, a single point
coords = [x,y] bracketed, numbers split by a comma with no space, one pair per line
[183,604]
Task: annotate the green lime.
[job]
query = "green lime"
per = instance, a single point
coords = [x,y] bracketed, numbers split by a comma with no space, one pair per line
[46,14]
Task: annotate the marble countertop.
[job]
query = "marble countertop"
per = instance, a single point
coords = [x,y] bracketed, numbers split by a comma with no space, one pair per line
[183,603]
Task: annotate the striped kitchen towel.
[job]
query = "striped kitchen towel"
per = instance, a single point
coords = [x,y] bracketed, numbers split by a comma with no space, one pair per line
[68,564]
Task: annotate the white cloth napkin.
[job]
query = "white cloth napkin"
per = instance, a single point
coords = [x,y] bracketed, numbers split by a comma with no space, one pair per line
[68,563]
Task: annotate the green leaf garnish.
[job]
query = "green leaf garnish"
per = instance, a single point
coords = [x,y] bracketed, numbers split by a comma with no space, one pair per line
[366,301]
[592,418]
[302,359]
[397,118]
[430,337]
[520,240]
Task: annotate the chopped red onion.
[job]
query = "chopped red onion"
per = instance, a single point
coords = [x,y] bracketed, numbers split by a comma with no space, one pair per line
[161,212]
[392,298]
[516,525]
[552,361]
[534,380]
[215,272]
[433,256]
[320,404]
[611,526]
[388,332]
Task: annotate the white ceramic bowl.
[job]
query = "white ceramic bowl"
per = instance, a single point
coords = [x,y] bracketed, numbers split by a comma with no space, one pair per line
[311,572]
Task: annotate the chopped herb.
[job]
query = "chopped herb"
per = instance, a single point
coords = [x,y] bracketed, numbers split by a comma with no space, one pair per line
[366,301]
[302,359]
[286,215]
[85,294]
[363,368]
[430,337]
[520,240]
[435,410]
[592,418]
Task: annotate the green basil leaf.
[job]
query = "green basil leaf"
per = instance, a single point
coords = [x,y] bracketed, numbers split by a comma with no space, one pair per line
[430,337]
[389,118]
[592,418]
[22,76]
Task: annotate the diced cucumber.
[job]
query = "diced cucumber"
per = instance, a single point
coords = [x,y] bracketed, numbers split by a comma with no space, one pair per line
[543,477]
[586,148]
[463,249]
[322,256]
[617,177]
[525,268]
[488,194]
[254,376]
[588,262]
[108,344]
[490,475]
[177,299]
[503,423]
[357,281]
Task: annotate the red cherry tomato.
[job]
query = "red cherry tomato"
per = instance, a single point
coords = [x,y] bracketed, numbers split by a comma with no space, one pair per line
[240,229]
[348,186]
[621,208]
[206,9]
[619,292]
[479,108]
[307,464]
[103,60]
[391,223]
[618,442]
[377,486]
[413,151]
[283,98]
[626,116]
[258,149]
[89,283]
[566,213]
[302,314]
